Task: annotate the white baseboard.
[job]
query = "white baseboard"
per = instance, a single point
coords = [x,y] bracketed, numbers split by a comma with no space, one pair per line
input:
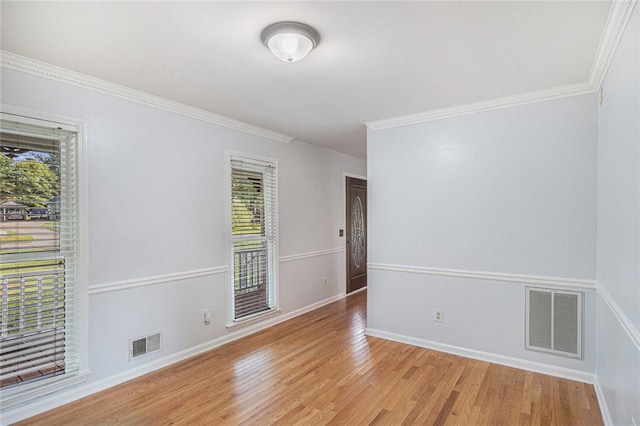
[551,370]
[58,399]
[602,402]
[357,291]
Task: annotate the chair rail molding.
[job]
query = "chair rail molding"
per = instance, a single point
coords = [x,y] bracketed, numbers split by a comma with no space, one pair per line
[490,276]
[623,319]
[310,254]
[153,280]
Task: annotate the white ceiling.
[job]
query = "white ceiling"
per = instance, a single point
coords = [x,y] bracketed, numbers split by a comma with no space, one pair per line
[376,60]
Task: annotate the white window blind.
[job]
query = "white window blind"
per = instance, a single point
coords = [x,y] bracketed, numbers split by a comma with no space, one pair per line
[38,255]
[253,236]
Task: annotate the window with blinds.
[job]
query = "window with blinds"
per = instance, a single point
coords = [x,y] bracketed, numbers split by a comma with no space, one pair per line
[38,334]
[253,237]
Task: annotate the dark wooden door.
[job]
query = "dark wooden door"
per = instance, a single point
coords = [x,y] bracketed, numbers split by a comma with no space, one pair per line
[356,236]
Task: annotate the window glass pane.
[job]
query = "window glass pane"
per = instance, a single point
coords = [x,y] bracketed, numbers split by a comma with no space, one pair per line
[29,194]
[37,252]
[250,287]
[247,203]
[253,237]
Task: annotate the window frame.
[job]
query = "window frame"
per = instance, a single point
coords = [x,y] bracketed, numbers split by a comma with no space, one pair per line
[15,396]
[272,261]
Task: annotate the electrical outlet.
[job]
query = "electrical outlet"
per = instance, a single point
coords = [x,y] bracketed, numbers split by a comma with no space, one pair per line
[438,315]
[325,280]
[206,316]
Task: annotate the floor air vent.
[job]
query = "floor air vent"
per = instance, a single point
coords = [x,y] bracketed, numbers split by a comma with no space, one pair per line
[144,346]
[554,321]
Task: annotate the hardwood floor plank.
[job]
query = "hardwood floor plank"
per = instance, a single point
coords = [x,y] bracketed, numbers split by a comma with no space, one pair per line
[464,406]
[527,393]
[446,409]
[518,379]
[320,369]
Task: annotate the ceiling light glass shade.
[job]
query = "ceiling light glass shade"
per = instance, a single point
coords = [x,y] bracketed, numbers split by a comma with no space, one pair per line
[290,47]
[290,41]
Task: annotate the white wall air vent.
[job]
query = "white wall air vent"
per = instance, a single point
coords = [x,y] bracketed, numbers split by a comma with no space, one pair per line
[553,321]
[144,345]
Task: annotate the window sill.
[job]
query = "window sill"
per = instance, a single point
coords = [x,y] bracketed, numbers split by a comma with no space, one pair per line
[254,319]
[15,397]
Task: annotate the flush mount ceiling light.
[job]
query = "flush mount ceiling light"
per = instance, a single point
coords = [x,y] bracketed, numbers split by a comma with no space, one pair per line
[290,41]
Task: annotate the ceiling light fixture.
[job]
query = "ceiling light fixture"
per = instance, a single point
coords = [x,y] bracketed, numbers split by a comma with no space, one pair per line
[290,41]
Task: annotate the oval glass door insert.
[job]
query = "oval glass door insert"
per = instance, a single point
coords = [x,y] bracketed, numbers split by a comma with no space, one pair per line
[357,231]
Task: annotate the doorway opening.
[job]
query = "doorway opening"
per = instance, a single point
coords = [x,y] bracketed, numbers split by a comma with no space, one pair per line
[356,233]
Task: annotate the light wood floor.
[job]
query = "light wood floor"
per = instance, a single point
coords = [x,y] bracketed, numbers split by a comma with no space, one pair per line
[320,369]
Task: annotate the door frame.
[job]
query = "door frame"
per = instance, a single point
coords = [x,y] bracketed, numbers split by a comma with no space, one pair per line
[345,175]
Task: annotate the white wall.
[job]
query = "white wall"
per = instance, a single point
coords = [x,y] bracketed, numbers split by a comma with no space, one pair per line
[158,205]
[510,191]
[618,348]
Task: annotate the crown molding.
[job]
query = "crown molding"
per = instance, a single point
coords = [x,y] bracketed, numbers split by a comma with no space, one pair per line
[492,104]
[617,19]
[619,15]
[31,66]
